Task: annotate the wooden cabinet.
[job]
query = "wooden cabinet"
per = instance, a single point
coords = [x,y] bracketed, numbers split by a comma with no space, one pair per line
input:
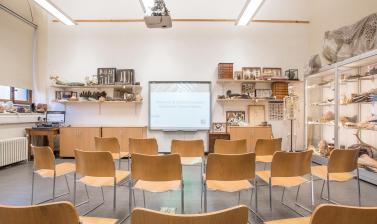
[251,134]
[77,138]
[212,136]
[124,133]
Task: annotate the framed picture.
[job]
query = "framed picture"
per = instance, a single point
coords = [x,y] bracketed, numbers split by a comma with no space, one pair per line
[292,74]
[218,127]
[248,89]
[271,72]
[237,75]
[125,76]
[66,94]
[256,114]
[251,73]
[106,76]
[263,93]
[234,118]
[58,95]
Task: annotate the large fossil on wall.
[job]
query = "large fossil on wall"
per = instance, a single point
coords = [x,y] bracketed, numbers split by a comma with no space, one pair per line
[352,40]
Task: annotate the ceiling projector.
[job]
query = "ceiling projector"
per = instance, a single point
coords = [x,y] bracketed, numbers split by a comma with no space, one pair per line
[157,16]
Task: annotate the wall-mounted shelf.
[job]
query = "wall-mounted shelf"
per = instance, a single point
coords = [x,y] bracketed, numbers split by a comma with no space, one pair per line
[256,81]
[245,100]
[98,87]
[97,102]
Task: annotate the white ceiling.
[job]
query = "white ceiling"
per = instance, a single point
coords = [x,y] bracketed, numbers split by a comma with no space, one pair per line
[225,9]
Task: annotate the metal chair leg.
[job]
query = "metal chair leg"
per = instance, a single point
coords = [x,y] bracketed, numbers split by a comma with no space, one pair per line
[256,193]
[115,195]
[201,182]
[298,191]
[119,161]
[239,197]
[53,186]
[270,191]
[328,187]
[282,195]
[66,182]
[32,188]
[312,192]
[74,189]
[183,199]
[205,198]
[358,186]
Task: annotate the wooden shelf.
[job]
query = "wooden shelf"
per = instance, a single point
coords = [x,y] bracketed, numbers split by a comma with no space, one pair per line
[97,87]
[256,81]
[97,102]
[245,100]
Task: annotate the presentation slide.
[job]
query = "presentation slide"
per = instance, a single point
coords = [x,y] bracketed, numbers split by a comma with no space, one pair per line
[180,106]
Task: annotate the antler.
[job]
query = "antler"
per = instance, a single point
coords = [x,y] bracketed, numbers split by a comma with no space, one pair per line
[363,143]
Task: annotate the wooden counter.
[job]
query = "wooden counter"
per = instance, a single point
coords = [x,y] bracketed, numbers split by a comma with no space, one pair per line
[123,134]
[251,134]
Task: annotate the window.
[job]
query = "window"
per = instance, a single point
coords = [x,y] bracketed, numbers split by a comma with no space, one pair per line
[16,95]
[5,93]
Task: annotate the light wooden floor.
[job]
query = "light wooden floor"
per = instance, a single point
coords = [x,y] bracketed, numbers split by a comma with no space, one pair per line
[15,188]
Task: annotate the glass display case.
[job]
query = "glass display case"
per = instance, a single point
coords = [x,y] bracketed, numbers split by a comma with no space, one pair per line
[341,111]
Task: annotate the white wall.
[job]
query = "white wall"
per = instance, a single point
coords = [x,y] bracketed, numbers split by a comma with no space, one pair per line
[329,15]
[186,52]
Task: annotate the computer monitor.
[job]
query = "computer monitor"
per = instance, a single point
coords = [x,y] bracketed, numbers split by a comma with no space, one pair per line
[55,117]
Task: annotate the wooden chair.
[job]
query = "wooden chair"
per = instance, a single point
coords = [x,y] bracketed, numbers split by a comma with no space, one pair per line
[157,174]
[230,146]
[44,166]
[97,169]
[111,145]
[57,213]
[146,146]
[335,214]
[340,168]
[191,153]
[235,215]
[231,173]
[288,170]
[265,149]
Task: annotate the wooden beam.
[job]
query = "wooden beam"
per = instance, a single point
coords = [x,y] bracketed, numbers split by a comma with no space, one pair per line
[188,20]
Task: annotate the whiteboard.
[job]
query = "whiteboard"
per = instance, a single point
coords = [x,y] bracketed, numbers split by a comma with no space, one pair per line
[180,106]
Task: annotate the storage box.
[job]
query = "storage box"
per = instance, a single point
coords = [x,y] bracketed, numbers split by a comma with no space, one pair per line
[279,90]
[225,71]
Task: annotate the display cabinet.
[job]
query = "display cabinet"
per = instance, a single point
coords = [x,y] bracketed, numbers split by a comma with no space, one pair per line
[340,111]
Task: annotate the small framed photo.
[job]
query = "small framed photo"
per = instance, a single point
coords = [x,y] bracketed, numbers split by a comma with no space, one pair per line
[251,73]
[248,89]
[219,127]
[292,74]
[271,72]
[237,75]
[58,95]
[74,94]
[66,94]
[234,118]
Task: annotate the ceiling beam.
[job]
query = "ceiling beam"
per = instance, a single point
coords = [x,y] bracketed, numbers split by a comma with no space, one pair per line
[188,20]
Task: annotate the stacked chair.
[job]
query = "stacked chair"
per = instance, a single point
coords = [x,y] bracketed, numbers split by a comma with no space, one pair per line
[45,167]
[97,169]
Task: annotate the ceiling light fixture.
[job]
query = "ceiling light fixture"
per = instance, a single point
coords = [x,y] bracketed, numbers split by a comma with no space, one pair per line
[248,12]
[55,11]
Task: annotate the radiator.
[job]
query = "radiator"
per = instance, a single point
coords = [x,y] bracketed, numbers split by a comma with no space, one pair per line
[13,150]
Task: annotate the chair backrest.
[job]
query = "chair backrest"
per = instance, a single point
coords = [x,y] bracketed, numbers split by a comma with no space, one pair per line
[235,215]
[94,163]
[230,167]
[43,158]
[146,146]
[188,148]
[223,146]
[291,164]
[338,214]
[267,147]
[57,213]
[343,160]
[107,144]
[156,167]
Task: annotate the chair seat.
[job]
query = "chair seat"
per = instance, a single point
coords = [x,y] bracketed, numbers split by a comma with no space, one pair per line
[264,159]
[303,220]
[190,161]
[120,155]
[105,181]
[97,220]
[158,186]
[321,172]
[228,186]
[61,169]
[281,181]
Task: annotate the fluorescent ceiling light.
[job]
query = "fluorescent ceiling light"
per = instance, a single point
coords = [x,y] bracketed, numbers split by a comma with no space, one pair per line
[249,11]
[57,13]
